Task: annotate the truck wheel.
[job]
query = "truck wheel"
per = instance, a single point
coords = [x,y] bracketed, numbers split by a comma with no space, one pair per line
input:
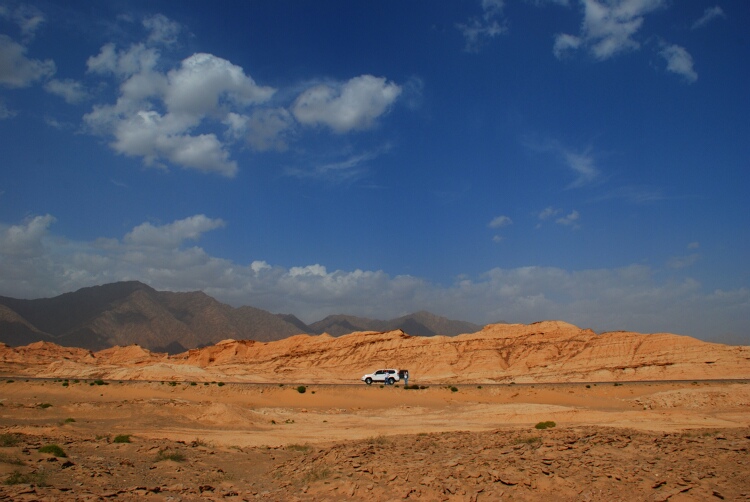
[368,380]
[391,381]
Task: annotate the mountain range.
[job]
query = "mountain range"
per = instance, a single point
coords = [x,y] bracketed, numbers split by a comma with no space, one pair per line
[130,312]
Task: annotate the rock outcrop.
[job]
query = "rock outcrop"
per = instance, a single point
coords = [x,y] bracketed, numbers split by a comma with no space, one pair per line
[549,351]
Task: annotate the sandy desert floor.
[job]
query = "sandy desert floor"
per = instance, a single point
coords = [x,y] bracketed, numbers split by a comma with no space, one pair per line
[630,441]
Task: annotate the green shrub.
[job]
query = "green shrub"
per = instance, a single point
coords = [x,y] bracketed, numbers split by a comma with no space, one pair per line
[99,381]
[8,439]
[11,381]
[454,389]
[18,478]
[122,438]
[69,420]
[44,406]
[174,456]
[221,384]
[6,459]
[53,450]
[301,389]
[545,425]
[304,448]
[479,386]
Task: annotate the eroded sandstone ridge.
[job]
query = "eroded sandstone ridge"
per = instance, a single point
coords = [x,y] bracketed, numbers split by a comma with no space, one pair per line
[549,351]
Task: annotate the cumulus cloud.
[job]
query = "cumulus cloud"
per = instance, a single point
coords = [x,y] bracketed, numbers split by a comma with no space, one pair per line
[569,220]
[500,221]
[172,235]
[37,263]
[608,27]
[27,17]
[162,30]
[477,30]
[16,70]
[352,105]
[709,15]
[679,61]
[203,80]
[70,90]
[191,115]
[548,212]
[203,88]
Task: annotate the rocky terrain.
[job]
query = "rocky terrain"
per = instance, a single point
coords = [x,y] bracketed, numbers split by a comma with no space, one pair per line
[154,441]
[550,351]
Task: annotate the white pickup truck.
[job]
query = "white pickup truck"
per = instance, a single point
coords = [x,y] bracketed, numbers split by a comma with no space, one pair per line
[388,376]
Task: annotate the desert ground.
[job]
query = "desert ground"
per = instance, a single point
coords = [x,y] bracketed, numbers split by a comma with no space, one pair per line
[174,441]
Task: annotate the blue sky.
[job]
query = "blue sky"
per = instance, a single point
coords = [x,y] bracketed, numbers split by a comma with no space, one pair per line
[517,160]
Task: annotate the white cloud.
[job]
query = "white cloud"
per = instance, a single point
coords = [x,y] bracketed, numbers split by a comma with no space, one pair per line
[339,171]
[172,235]
[709,15]
[203,88]
[678,262]
[27,17]
[569,220]
[124,63]
[36,263]
[583,165]
[16,70]
[70,90]
[479,29]
[267,129]
[162,30]
[548,212]
[500,221]
[5,112]
[679,61]
[565,43]
[204,80]
[694,245]
[159,112]
[608,27]
[352,105]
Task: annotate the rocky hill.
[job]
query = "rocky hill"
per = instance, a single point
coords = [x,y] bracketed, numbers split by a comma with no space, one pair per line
[550,351]
[126,313]
[418,324]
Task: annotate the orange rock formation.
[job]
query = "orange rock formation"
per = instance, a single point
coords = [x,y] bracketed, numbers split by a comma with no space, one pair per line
[549,351]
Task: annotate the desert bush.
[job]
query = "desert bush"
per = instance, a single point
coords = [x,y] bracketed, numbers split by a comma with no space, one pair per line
[454,389]
[122,438]
[9,381]
[99,381]
[69,420]
[316,474]
[53,450]
[6,459]
[65,384]
[479,386]
[304,448]
[221,384]
[378,440]
[174,456]
[545,425]
[192,384]
[19,478]
[44,406]
[528,440]
[301,389]
[8,439]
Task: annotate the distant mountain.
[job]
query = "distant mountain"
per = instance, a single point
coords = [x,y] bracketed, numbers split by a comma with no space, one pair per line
[126,313]
[418,324]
